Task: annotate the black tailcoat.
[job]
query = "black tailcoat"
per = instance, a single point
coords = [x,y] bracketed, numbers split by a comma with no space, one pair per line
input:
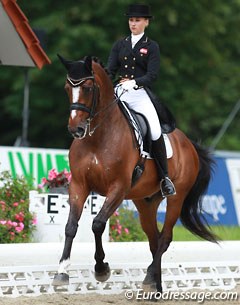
[140,63]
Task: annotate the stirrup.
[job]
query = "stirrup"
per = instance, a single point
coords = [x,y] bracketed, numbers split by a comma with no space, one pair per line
[167,187]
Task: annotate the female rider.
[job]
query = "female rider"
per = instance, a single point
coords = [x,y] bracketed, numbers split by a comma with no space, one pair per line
[136,59]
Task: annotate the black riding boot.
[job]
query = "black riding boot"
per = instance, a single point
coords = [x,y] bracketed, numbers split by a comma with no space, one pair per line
[160,156]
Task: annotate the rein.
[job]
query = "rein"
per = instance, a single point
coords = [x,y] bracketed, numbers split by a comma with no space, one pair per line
[115,101]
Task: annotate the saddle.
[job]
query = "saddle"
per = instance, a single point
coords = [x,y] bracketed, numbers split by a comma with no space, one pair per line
[141,128]
[140,125]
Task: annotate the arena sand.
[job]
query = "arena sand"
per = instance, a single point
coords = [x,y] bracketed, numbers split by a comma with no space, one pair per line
[119,299]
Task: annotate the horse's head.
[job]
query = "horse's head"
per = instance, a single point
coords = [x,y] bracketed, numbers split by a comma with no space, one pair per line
[83,93]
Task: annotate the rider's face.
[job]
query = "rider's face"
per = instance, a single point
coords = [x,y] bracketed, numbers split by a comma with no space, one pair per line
[137,25]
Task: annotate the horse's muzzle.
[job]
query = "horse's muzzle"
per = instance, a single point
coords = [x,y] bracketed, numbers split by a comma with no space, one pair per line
[78,132]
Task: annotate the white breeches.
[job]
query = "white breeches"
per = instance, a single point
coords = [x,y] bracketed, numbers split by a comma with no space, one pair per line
[139,101]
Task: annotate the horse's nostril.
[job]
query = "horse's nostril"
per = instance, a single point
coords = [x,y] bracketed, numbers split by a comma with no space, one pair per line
[80,130]
[77,131]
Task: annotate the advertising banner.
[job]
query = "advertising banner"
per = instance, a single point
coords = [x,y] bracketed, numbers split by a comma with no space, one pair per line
[218,203]
[32,163]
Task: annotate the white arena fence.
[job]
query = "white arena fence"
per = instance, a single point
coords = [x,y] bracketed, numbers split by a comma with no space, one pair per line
[28,269]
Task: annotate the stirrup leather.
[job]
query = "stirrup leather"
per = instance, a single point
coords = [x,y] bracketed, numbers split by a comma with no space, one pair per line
[170,188]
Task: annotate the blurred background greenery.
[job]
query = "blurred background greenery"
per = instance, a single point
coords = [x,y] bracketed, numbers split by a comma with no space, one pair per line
[125,226]
[199,77]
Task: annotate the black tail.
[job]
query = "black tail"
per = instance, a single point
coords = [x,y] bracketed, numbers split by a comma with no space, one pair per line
[191,216]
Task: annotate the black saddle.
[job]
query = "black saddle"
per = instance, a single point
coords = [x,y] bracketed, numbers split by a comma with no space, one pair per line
[139,124]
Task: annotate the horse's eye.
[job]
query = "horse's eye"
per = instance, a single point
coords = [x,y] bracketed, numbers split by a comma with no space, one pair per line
[86,89]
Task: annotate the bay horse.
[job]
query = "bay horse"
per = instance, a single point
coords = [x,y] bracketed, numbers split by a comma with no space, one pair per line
[102,159]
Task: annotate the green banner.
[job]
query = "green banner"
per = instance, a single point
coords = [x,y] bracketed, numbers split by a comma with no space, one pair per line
[32,163]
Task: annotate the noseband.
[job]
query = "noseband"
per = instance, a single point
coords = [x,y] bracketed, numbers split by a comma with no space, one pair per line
[81,106]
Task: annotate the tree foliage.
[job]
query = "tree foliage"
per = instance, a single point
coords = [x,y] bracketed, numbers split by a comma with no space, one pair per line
[199,78]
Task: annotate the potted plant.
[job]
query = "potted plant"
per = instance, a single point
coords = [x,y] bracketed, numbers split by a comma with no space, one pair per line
[56,182]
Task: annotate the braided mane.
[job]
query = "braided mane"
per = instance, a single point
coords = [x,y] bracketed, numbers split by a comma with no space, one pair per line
[98,61]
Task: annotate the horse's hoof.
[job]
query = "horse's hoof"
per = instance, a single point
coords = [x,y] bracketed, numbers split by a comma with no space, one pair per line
[60,279]
[103,276]
[151,290]
[149,284]
[149,287]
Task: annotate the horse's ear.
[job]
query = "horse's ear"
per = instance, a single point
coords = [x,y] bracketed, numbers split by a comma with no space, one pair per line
[88,63]
[64,61]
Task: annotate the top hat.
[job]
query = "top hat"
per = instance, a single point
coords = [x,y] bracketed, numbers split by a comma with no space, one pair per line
[138,10]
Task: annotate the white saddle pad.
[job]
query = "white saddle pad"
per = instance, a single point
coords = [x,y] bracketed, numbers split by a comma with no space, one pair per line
[168,145]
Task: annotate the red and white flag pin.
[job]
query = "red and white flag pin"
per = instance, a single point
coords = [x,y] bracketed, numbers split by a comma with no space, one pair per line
[143,51]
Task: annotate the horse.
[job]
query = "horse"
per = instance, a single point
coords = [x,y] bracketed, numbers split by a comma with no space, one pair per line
[102,159]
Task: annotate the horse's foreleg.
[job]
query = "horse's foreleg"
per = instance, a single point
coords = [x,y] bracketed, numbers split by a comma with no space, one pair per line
[76,207]
[102,270]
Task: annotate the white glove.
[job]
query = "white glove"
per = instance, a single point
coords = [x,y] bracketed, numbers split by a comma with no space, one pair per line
[129,85]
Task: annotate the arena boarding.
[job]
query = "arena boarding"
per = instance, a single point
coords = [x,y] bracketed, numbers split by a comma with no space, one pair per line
[28,269]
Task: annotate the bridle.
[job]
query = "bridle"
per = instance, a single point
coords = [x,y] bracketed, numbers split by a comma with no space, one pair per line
[91,110]
[81,106]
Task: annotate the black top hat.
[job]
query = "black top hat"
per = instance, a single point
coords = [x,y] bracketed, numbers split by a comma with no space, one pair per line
[138,10]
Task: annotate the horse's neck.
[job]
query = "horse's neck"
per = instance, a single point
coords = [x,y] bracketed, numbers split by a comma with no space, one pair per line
[109,118]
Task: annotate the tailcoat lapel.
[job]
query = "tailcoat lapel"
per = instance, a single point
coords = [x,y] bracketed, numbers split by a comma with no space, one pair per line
[141,43]
[128,43]
[144,41]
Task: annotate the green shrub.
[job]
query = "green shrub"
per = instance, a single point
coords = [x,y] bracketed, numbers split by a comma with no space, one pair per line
[124,226]
[16,222]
